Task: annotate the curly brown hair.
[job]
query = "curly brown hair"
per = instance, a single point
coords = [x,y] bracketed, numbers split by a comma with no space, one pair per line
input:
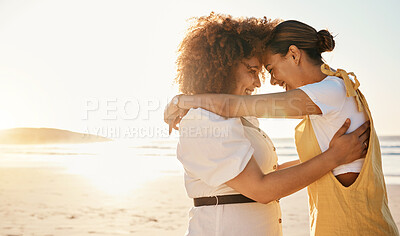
[212,46]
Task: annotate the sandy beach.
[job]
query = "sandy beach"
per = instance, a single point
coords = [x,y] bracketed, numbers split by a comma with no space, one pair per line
[50,201]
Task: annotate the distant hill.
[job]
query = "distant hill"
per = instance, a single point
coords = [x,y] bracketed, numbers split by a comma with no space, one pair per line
[46,136]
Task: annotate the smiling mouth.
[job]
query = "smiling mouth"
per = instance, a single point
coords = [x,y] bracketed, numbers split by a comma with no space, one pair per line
[248,91]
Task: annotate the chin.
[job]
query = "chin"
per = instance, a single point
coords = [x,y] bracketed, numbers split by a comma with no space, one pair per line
[287,88]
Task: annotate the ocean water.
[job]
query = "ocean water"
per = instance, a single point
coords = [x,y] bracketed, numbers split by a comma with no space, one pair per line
[136,161]
[390,149]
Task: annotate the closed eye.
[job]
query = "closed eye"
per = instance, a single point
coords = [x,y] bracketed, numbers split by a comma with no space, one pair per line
[266,67]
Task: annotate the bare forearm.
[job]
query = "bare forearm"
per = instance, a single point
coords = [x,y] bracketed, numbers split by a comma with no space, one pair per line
[221,104]
[284,182]
[291,104]
[228,105]
[288,164]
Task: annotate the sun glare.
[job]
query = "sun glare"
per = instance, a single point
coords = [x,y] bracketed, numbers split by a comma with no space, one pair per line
[6,120]
[113,169]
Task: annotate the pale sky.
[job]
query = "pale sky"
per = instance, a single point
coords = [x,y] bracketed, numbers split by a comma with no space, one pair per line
[59,59]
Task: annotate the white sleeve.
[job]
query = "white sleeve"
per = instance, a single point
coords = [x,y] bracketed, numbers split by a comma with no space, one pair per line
[213,148]
[329,94]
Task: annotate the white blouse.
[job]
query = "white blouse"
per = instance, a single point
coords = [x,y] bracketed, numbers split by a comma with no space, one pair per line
[330,96]
[214,150]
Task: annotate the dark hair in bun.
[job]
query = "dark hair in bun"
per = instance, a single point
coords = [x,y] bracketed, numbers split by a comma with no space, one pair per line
[326,43]
[303,36]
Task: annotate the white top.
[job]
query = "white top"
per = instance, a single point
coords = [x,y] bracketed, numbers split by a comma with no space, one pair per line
[330,96]
[214,150]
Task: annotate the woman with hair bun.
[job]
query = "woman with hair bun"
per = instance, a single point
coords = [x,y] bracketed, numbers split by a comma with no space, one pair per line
[349,200]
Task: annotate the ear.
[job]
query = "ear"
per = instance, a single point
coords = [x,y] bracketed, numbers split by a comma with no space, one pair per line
[295,54]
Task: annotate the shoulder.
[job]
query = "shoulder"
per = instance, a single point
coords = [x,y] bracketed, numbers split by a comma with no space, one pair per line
[201,113]
[212,148]
[330,82]
[331,86]
[334,82]
[329,94]
[200,123]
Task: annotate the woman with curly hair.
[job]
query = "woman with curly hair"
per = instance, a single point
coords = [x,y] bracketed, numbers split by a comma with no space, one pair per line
[231,169]
[349,200]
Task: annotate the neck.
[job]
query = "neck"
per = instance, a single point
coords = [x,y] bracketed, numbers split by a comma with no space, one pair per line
[312,74]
